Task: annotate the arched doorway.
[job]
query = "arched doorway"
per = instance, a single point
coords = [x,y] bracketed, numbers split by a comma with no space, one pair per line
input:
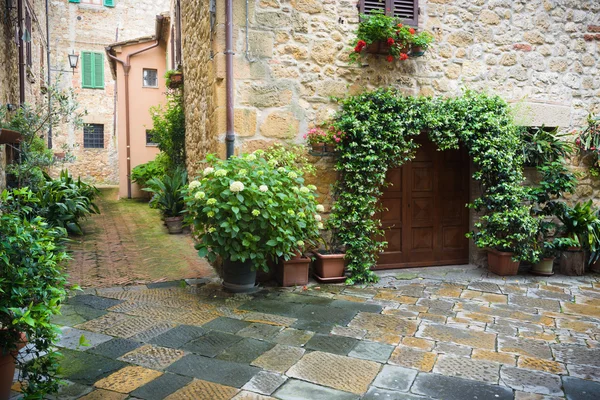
[424,217]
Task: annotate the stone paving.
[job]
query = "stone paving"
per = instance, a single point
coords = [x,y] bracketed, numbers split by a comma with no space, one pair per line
[439,333]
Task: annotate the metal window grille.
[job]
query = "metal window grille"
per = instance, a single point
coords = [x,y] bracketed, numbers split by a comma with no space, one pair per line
[150,77]
[149,139]
[93,136]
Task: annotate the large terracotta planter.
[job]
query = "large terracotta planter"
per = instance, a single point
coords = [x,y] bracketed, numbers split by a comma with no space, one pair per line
[293,272]
[7,367]
[239,277]
[501,263]
[543,267]
[572,262]
[329,267]
[174,224]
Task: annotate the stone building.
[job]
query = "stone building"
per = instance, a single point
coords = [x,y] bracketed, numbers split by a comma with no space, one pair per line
[27,30]
[291,57]
[86,28]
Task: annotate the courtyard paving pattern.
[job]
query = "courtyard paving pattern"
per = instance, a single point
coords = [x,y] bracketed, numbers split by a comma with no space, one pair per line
[440,333]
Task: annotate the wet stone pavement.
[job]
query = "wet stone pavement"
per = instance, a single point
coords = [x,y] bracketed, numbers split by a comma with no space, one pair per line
[441,333]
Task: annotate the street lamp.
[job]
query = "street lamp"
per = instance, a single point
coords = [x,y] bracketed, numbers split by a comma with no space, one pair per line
[73,59]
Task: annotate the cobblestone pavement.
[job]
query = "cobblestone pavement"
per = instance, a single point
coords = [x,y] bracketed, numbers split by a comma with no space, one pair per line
[439,333]
[127,244]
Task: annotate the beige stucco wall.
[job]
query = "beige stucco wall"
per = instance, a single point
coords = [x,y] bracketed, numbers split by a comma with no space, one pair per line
[89,27]
[140,100]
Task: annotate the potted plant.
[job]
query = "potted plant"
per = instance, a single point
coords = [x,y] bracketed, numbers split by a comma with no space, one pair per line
[316,139]
[420,43]
[32,287]
[168,197]
[174,79]
[247,210]
[378,33]
[330,263]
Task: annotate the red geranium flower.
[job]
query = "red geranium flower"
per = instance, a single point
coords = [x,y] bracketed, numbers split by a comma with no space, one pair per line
[412,31]
[403,56]
[399,25]
[390,58]
[390,41]
[361,43]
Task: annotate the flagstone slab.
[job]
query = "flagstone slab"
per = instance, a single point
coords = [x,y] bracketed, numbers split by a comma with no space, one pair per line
[130,327]
[246,395]
[471,338]
[384,323]
[349,331]
[245,351]
[335,371]
[99,303]
[178,336]
[260,331]
[312,326]
[103,322]
[269,319]
[579,389]
[101,394]
[71,315]
[151,356]
[280,358]
[293,337]
[525,347]
[463,367]
[265,382]
[451,388]
[225,324]
[331,344]
[539,364]
[198,318]
[127,379]
[576,354]
[581,309]
[531,381]
[115,348]
[212,343]
[70,338]
[323,314]
[376,393]
[286,309]
[584,372]
[395,378]
[152,332]
[203,390]
[374,351]
[298,390]
[86,368]
[354,306]
[544,304]
[68,391]
[161,387]
[412,358]
[213,370]
[485,287]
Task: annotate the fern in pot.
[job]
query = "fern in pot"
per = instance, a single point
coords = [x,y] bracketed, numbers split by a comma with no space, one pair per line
[168,196]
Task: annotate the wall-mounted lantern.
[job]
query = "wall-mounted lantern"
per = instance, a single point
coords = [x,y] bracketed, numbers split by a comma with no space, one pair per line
[73,59]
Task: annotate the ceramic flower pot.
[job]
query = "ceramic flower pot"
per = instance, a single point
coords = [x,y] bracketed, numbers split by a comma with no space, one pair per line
[293,272]
[501,263]
[174,224]
[572,262]
[543,267]
[238,276]
[7,367]
[330,148]
[317,147]
[329,267]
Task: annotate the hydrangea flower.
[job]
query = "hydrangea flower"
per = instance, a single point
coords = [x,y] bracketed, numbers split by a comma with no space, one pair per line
[281,169]
[194,185]
[301,214]
[300,243]
[200,195]
[263,188]
[272,163]
[208,171]
[251,157]
[259,152]
[304,189]
[220,172]
[291,212]
[320,208]
[236,186]
[259,173]
[211,229]
[211,201]
[312,187]
[292,175]
[320,225]
[242,172]
[256,213]
[210,214]
[318,217]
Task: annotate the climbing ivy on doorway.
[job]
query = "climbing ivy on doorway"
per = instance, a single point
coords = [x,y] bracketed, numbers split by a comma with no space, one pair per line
[379,129]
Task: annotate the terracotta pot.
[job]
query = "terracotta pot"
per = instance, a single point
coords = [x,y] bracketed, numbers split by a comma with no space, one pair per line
[176,80]
[318,147]
[544,267]
[330,148]
[572,262]
[174,224]
[379,47]
[330,267]
[7,367]
[417,51]
[501,263]
[293,272]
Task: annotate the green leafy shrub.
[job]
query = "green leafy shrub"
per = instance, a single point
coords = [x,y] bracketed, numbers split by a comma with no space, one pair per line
[542,146]
[247,208]
[32,287]
[168,129]
[156,168]
[168,192]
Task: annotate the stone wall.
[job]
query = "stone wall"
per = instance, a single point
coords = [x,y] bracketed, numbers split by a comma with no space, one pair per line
[90,26]
[199,82]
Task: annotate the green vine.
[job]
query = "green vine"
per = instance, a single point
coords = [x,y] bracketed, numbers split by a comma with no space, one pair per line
[379,129]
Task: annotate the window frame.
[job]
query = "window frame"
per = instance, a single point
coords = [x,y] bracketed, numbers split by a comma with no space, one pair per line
[93,84]
[388,7]
[94,141]
[148,136]
[144,78]
[28,29]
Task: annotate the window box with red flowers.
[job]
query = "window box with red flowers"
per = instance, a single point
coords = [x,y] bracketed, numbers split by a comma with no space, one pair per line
[323,139]
[381,34]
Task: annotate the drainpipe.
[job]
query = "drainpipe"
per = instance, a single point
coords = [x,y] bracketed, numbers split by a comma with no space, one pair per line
[21,53]
[126,68]
[49,76]
[229,135]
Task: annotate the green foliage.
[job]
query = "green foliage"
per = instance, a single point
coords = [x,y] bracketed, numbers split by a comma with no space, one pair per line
[169,129]
[379,128]
[580,223]
[248,208]
[156,168]
[290,156]
[61,202]
[168,192]
[542,146]
[32,287]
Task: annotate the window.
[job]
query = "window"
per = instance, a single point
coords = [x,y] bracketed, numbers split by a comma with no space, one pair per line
[92,70]
[27,38]
[406,10]
[150,78]
[149,139]
[93,136]
[106,3]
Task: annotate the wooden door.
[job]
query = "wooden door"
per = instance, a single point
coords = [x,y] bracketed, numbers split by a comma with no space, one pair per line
[424,217]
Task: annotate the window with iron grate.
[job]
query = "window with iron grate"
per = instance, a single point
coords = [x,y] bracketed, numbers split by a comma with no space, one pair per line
[150,77]
[406,10]
[93,136]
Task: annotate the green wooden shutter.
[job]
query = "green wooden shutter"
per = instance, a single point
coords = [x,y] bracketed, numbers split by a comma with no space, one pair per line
[98,70]
[109,3]
[87,76]
[74,1]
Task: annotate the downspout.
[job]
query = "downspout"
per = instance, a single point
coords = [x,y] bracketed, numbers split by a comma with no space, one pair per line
[229,135]
[49,76]
[126,68]
[21,53]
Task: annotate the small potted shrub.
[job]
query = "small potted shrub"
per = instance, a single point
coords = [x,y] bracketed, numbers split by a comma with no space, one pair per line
[168,197]
[247,211]
[330,263]
[420,43]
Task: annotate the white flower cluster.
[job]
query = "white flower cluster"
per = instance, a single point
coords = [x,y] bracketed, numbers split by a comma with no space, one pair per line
[200,195]
[236,187]
[194,185]
[208,171]
[220,172]
[263,188]
[251,157]
[320,208]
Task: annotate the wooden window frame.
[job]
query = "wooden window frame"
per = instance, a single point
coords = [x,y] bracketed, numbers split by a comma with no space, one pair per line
[93,84]
[388,7]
